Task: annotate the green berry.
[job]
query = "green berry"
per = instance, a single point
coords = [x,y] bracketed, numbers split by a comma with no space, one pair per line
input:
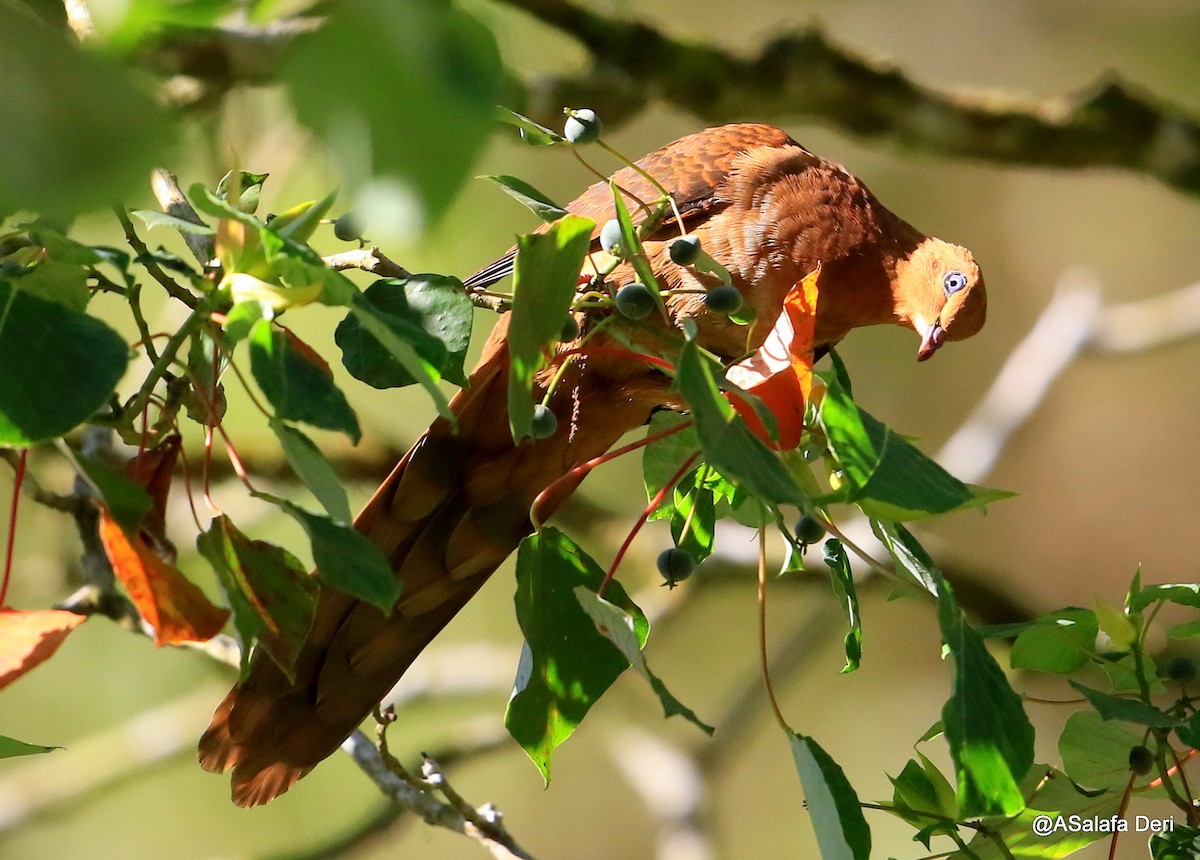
[723,300]
[1182,670]
[635,301]
[809,529]
[348,228]
[684,250]
[570,329]
[582,126]
[1141,760]
[610,237]
[545,422]
[675,565]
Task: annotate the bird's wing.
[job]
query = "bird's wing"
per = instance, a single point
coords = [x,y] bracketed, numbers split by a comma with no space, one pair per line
[692,169]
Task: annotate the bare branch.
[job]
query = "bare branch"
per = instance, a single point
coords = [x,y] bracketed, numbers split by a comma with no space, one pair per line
[174,202]
[369,259]
[422,801]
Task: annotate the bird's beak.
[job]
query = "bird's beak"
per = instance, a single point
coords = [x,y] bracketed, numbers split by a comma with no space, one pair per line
[931,341]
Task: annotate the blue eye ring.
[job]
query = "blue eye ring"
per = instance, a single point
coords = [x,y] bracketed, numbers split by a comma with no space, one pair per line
[953,282]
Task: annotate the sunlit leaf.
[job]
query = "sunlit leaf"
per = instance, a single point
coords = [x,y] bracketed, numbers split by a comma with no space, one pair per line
[566,665]
[842,831]
[991,740]
[545,275]
[1062,642]
[176,609]
[11,747]
[529,197]
[313,469]
[30,638]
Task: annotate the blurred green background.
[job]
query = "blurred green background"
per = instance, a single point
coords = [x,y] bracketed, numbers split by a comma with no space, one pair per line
[1107,470]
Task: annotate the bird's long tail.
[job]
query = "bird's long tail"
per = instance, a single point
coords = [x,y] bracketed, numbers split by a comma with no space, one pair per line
[453,509]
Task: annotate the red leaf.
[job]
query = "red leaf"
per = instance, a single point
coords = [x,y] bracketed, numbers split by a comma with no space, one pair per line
[28,638]
[176,609]
[780,372]
[152,469]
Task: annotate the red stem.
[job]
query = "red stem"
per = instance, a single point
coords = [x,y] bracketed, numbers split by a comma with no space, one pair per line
[18,479]
[637,527]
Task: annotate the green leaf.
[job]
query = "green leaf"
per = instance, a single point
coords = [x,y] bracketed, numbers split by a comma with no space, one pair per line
[661,460]
[842,831]
[727,442]
[345,559]
[908,555]
[1062,642]
[566,665]
[924,798]
[271,594]
[240,320]
[1128,710]
[78,133]
[991,740]
[153,218]
[1181,843]
[632,245]
[529,197]
[1095,751]
[623,630]
[127,501]
[888,477]
[842,580]
[40,341]
[300,222]
[693,521]
[313,470]
[1053,795]
[531,132]
[380,327]
[545,276]
[1181,593]
[57,281]
[441,72]
[10,748]
[432,313]
[298,388]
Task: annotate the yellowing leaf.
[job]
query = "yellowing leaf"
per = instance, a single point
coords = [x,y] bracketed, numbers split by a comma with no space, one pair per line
[780,371]
[176,609]
[29,638]
[1116,624]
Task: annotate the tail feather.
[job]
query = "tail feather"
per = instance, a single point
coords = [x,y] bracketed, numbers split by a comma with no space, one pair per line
[453,509]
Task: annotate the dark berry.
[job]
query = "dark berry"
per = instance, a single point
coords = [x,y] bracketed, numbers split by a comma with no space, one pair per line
[684,250]
[570,329]
[348,228]
[635,301]
[809,529]
[1141,760]
[675,565]
[723,300]
[610,237]
[545,422]
[1182,670]
[583,126]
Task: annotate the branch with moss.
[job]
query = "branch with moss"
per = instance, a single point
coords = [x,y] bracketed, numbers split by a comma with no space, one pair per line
[803,75]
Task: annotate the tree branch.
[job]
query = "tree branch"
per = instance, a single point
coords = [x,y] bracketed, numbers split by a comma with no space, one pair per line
[802,74]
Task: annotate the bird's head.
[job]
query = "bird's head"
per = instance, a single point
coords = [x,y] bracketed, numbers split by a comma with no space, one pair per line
[940,294]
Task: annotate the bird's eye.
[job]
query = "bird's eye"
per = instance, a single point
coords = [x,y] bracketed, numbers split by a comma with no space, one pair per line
[953,282]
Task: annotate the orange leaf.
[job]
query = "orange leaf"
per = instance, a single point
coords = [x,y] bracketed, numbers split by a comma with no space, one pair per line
[780,372]
[153,469]
[176,609]
[28,638]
